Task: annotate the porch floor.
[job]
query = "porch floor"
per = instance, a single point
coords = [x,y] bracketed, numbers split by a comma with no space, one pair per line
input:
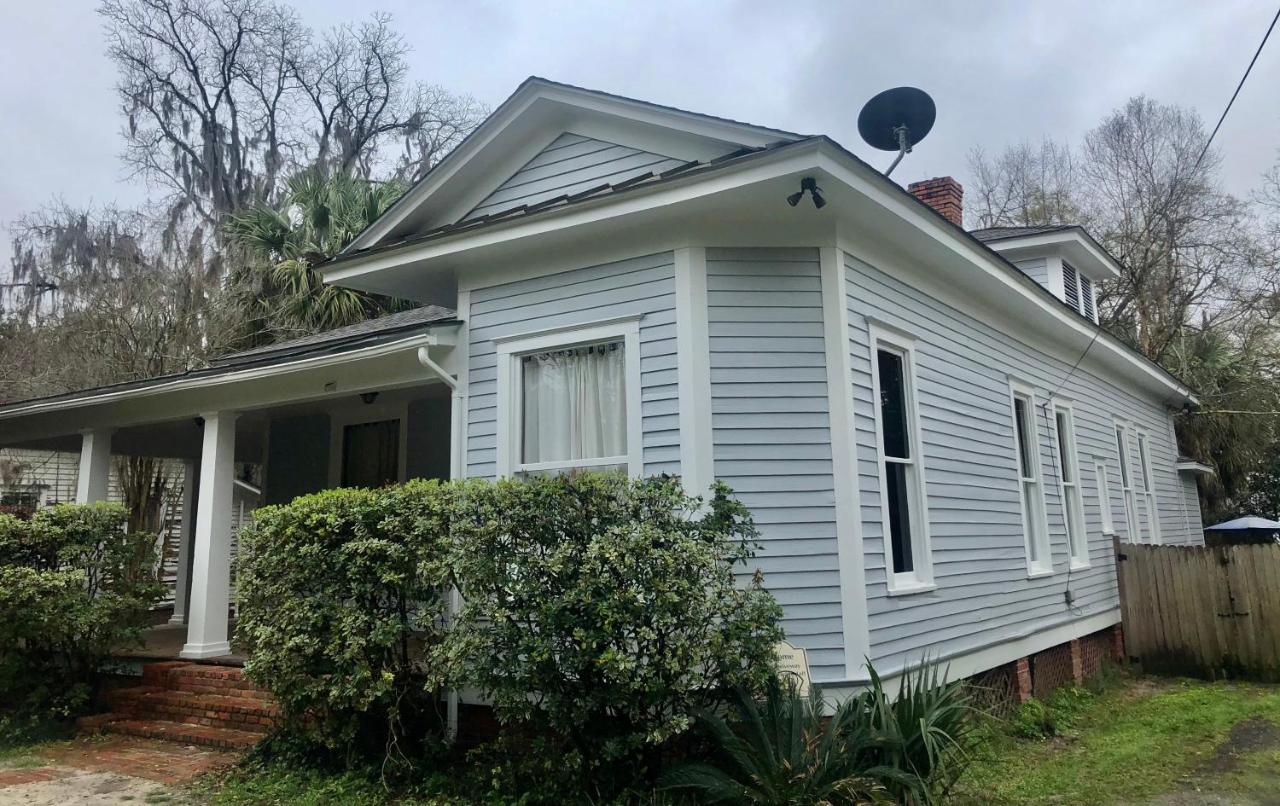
[165,641]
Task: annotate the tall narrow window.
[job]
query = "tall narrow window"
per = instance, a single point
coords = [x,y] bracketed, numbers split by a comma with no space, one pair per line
[1070,285]
[1126,484]
[1104,497]
[1148,491]
[1069,473]
[1078,292]
[1027,444]
[903,499]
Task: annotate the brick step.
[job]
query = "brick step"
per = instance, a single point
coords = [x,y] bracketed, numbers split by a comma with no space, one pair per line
[211,710]
[202,735]
[202,679]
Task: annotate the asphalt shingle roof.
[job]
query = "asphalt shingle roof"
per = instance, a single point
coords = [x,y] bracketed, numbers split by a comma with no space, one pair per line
[988,234]
[381,326]
[330,342]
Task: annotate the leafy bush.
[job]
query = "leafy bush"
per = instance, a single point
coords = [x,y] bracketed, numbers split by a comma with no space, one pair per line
[74,585]
[922,731]
[906,748]
[603,613]
[783,749]
[341,613]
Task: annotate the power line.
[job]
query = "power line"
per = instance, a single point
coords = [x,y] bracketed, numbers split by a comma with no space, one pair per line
[1243,78]
[1194,168]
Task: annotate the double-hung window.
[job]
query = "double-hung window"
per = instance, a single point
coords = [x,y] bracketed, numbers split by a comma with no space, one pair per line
[1026,442]
[1148,490]
[1126,484]
[904,519]
[569,400]
[1069,475]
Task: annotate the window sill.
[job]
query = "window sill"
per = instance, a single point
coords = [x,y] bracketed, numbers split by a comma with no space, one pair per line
[1079,566]
[909,588]
[1040,573]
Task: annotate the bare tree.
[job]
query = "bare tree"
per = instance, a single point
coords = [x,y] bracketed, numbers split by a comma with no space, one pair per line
[223,98]
[1188,250]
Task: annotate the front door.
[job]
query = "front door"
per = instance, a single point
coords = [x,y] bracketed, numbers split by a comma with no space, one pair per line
[371,454]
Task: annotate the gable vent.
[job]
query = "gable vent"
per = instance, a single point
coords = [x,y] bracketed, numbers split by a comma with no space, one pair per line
[1086,298]
[1069,286]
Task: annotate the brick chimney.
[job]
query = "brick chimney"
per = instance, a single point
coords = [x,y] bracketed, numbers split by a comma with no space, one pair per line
[943,194]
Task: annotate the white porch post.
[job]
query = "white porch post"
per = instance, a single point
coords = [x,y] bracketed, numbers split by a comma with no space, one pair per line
[211,556]
[95,465]
[182,574]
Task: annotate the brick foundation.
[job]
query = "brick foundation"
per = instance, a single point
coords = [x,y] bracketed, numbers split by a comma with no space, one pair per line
[1003,688]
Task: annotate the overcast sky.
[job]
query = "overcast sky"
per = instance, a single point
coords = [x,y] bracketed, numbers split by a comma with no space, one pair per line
[1018,71]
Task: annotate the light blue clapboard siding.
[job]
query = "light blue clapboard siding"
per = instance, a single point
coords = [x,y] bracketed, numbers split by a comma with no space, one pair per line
[571,164]
[643,285]
[1037,268]
[963,367]
[771,431]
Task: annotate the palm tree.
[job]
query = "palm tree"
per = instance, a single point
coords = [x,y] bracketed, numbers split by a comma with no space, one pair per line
[277,285]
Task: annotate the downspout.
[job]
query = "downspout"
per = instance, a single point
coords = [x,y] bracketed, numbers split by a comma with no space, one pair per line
[457,406]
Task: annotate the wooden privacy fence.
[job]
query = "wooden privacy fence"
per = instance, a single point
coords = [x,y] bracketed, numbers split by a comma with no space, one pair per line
[1208,611]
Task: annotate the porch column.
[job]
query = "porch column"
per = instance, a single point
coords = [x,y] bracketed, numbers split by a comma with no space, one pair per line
[182,574]
[211,555]
[95,465]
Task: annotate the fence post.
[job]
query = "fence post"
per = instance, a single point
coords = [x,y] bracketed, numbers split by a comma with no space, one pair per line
[1119,557]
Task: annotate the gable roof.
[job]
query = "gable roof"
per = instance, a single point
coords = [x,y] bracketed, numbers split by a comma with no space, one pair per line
[648,179]
[538,112]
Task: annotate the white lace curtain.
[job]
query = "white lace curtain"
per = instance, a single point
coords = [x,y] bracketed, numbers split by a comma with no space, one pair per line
[575,404]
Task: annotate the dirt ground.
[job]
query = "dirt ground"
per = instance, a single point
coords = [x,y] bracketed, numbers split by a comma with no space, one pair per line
[1244,771]
[106,770]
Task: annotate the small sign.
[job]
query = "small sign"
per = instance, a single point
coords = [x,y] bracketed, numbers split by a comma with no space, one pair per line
[793,664]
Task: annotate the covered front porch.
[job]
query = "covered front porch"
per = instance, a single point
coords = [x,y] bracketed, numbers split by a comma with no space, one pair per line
[363,406]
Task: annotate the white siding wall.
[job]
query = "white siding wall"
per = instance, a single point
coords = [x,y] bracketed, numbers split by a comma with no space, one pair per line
[571,164]
[771,431]
[963,367]
[643,285]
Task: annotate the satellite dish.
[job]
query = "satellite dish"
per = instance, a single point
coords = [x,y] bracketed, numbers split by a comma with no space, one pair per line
[897,119]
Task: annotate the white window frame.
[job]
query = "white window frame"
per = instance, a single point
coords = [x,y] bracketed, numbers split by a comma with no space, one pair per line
[1035,525]
[1149,489]
[510,421]
[1102,481]
[920,579]
[1072,505]
[1126,482]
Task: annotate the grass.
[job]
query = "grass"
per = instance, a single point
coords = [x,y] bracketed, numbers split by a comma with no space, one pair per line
[1135,740]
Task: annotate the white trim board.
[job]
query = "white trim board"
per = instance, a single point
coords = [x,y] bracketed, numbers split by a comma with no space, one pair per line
[968,663]
[849,548]
[693,371]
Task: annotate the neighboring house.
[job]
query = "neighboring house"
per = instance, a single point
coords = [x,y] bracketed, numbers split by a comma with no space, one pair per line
[936,438]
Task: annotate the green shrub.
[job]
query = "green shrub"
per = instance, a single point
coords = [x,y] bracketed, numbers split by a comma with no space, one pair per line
[923,731]
[603,613]
[1033,720]
[341,614]
[73,587]
[782,749]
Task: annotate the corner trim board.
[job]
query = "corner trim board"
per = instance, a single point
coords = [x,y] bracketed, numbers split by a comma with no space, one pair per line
[849,549]
[693,370]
